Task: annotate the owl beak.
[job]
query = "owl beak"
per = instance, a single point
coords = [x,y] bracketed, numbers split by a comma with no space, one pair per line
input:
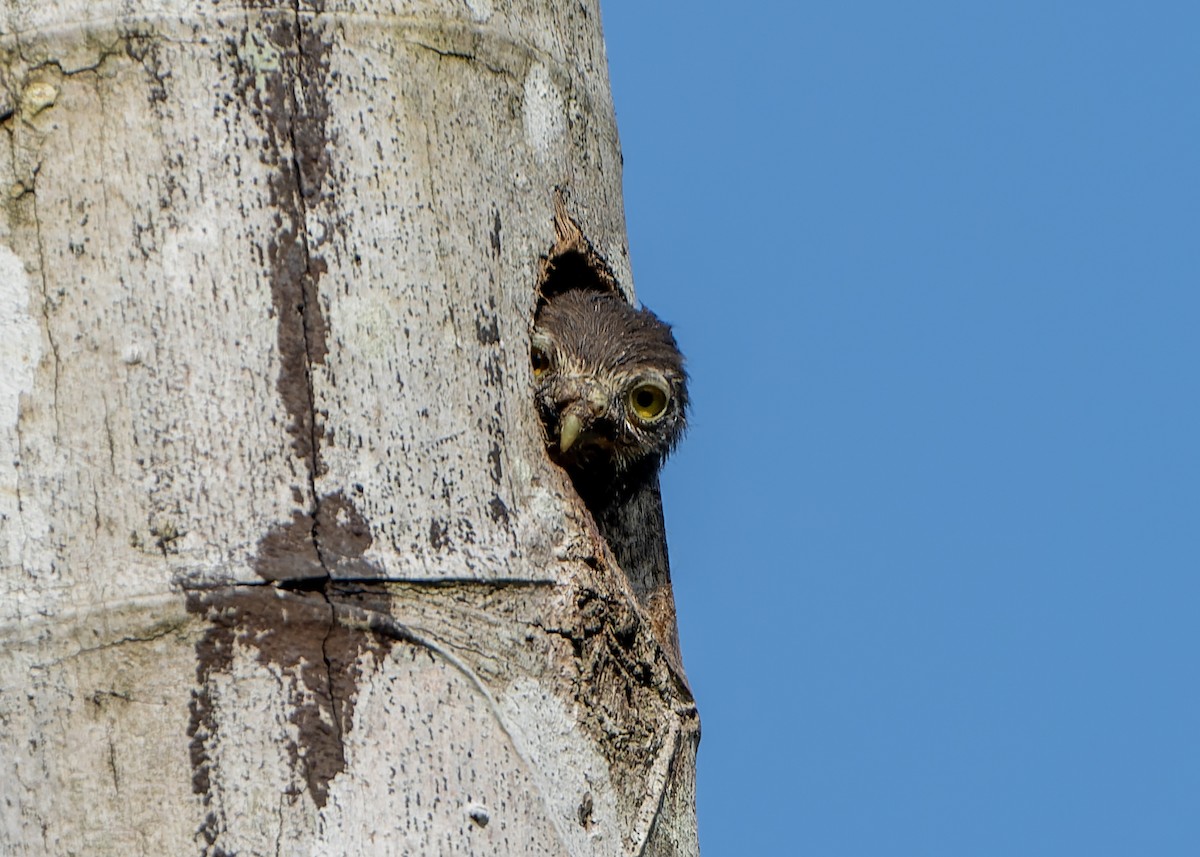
[568,431]
[591,402]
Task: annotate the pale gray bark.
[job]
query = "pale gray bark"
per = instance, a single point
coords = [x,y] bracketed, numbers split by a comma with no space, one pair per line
[284,567]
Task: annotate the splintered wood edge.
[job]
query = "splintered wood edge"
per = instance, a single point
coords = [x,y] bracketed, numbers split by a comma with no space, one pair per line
[569,240]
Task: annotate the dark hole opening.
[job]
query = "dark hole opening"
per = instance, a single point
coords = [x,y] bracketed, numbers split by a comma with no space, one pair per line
[573,270]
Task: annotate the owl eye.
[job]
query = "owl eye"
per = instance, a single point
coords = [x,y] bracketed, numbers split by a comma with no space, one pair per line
[541,361]
[648,400]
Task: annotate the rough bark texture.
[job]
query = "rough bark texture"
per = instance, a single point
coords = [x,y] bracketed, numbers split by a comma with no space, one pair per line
[284,567]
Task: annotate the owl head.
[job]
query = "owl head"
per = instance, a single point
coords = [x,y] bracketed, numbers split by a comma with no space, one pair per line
[610,384]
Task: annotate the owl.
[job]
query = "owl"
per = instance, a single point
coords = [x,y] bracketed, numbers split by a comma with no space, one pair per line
[611,388]
[611,391]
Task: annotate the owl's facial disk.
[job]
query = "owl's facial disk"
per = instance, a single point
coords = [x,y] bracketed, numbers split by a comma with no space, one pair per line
[601,417]
[610,383]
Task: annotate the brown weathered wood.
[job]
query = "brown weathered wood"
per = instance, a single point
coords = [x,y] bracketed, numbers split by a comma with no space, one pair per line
[284,567]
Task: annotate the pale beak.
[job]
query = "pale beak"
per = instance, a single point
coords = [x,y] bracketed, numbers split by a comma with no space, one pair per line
[568,431]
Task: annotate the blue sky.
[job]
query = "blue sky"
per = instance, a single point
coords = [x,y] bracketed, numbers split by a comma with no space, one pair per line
[936,528]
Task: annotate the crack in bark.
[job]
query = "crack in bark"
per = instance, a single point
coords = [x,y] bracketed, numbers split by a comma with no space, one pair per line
[46,303]
[293,194]
[444,53]
[164,630]
[292,625]
[480,37]
[279,831]
[108,434]
[23,536]
[307,298]
[106,53]
[112,762]
[312,352]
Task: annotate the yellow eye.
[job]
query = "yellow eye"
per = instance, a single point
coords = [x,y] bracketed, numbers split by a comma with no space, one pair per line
[541,361]
[648,400]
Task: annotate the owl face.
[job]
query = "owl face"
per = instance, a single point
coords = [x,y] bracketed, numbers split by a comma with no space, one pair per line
[610,383]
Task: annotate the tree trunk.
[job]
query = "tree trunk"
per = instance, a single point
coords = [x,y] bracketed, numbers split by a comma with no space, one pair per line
[284,565]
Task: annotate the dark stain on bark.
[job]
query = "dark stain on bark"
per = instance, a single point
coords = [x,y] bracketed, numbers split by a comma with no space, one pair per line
[493,374]
[298,635]
[309,548]
[293,627]
[495,468]
[145,49]
[487,331]
[439,534]
[295,630]
[293,108]
[487,326]
[498,511]
[495,236]
[344,536]
[288,552]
